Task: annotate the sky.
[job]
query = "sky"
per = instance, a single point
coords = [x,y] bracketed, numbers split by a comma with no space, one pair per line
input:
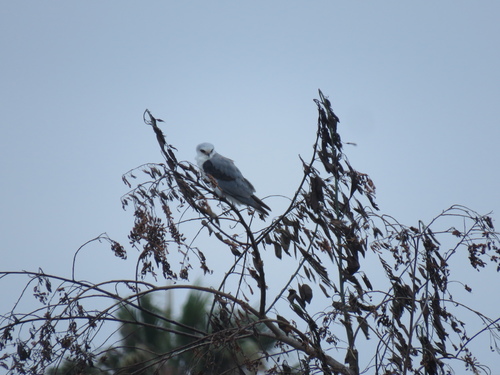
[416,86]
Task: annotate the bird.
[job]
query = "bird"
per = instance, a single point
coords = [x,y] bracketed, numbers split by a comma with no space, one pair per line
[230,181]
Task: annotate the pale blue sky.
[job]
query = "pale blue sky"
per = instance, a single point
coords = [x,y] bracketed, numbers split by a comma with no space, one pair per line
[415,84]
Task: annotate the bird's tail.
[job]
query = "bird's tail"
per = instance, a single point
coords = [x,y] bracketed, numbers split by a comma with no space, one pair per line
[260,206]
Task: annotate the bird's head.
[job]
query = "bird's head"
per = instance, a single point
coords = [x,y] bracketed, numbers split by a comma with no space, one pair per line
[204,151]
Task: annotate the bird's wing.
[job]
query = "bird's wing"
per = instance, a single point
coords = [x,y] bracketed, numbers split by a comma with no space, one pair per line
[221,168]
[228,176]
[232,183]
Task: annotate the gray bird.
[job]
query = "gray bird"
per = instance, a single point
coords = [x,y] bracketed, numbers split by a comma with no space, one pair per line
[230,182]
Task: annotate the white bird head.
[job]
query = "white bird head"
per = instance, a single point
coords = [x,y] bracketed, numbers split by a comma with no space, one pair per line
[204,152]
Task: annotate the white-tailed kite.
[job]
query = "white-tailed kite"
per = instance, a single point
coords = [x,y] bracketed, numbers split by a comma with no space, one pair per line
[230,181]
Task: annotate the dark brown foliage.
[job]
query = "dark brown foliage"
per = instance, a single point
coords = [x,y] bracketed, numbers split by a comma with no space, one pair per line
[340,248]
